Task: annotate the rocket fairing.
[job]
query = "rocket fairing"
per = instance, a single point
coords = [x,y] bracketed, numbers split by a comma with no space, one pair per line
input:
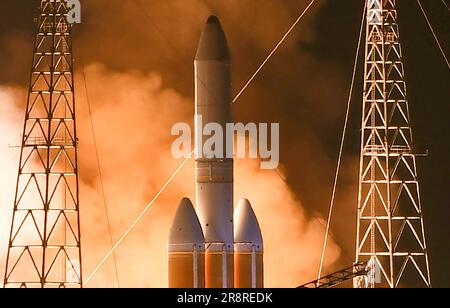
[248,248]
[204,250]
[186,249]
[214,175]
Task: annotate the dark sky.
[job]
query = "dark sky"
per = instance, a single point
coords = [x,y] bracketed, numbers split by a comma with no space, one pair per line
[429,91]
[305,91]
[428,81]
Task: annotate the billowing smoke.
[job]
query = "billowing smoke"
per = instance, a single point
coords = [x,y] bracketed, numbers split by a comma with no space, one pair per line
[10,127]
[126,124]
[134,150]
[144,85]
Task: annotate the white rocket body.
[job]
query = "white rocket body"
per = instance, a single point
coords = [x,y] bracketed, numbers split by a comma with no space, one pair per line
[214,175]
[214,189]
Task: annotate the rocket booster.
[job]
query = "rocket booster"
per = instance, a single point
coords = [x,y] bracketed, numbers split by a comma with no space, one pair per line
[186,249]
[248,248]
[214,175]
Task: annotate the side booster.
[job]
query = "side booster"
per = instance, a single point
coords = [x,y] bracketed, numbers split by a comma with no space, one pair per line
[211,251]
[186,249]
[248,248]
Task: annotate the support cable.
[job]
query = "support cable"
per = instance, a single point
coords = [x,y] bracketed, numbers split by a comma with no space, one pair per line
[138,218]
[275,49]
[446,5]
[172,177]
[100,175]
[434,33]
[315,218]
[341,150]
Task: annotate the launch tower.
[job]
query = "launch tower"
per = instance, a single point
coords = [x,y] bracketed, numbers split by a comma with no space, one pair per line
[390,231]
[44,243]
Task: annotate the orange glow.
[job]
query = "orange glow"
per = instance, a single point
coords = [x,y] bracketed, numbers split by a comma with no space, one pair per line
[133,132]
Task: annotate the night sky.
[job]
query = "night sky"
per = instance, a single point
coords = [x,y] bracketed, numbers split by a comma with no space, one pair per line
[305,89]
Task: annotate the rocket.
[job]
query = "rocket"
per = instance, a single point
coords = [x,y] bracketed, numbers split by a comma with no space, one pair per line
[214,251]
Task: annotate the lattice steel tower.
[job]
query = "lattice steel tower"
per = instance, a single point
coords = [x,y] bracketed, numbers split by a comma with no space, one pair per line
[44,245]
[390,231]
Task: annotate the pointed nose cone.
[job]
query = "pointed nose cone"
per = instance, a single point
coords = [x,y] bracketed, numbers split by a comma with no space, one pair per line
[213,43]
[186,228]
[246,226]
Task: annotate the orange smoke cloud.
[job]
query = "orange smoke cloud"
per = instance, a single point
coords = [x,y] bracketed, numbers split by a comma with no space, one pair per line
[292,240]
[133,128]
[10,127]
[133,114]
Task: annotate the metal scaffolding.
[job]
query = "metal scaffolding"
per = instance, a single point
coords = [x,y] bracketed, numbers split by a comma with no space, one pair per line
[335,279]
[390,231]
[44,243]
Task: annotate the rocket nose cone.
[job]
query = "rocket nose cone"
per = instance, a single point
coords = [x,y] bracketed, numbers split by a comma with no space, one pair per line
[186,228]
[213,20]
[246,226]
[213,43]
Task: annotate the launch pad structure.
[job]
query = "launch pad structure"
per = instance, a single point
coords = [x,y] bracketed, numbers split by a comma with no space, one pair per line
[390,230]
[44,247]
